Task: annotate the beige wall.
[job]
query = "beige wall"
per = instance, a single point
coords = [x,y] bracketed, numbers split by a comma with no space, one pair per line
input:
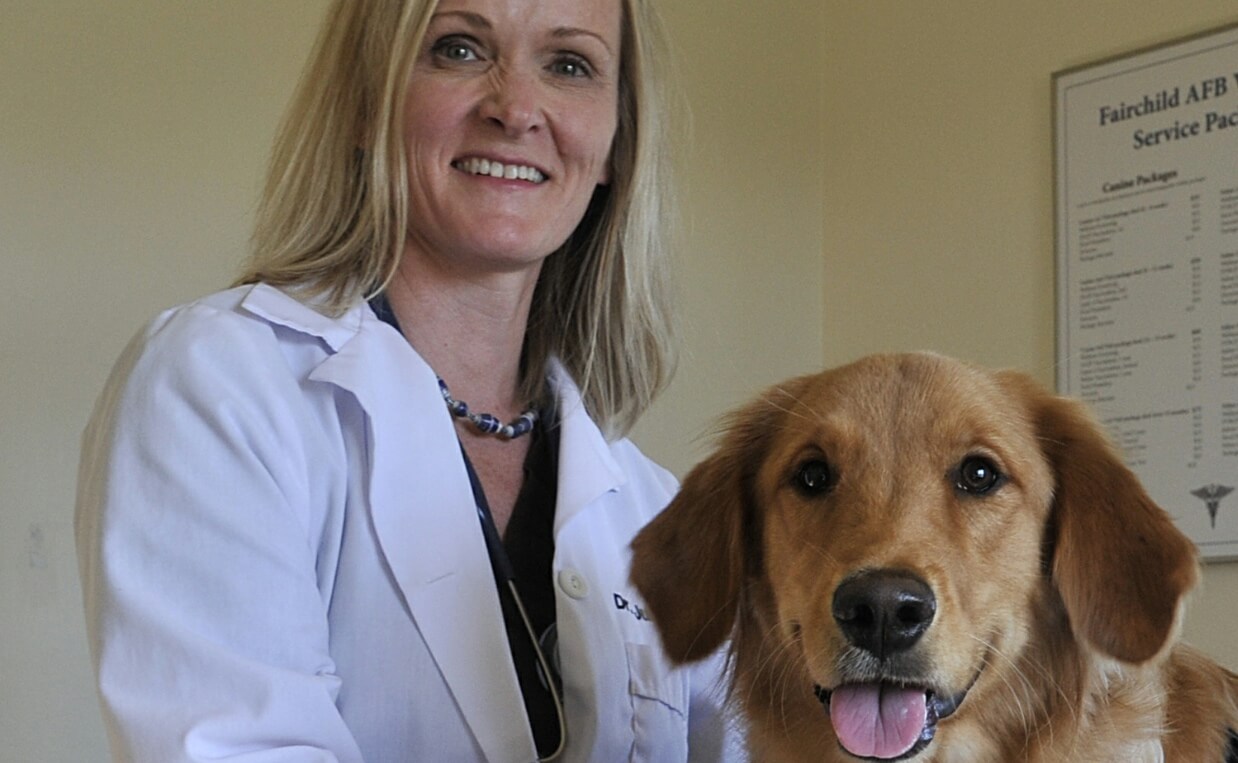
[750,266]
[938,204]
[911,147]
[132,139]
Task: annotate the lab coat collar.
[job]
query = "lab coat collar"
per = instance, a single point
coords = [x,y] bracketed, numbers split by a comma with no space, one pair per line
[279,307]
[587,469]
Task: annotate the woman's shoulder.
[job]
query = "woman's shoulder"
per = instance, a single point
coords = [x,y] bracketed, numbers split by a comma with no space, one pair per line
[199,319]
[254,308]
[238,338]
[239,321]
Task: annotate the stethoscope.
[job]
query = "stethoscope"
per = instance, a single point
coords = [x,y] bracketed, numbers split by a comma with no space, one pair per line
[506,575]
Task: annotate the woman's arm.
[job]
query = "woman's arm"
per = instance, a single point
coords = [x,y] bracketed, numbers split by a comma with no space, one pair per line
[198,556]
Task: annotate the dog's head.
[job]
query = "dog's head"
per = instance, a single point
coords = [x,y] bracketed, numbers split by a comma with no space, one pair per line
[890,529]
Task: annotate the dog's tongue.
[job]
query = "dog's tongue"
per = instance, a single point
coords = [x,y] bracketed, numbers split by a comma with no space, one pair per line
[876,720]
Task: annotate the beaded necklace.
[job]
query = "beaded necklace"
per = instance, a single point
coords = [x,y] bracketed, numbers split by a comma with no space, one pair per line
[487,423]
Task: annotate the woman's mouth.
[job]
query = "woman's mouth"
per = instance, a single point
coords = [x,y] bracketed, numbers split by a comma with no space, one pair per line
[494,169]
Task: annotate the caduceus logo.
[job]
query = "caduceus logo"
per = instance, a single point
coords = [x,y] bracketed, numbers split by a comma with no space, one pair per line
[1211,495]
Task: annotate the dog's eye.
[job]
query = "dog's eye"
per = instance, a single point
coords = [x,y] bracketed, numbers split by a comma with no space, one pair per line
[977,475]
[815,477]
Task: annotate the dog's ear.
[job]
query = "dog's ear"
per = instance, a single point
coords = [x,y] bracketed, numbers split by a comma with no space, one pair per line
[1119,563]
[689,562]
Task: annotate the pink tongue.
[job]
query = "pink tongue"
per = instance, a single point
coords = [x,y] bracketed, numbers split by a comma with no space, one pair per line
[877,721]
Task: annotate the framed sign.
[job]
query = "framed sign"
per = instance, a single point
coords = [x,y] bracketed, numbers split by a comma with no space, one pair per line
[1146,176]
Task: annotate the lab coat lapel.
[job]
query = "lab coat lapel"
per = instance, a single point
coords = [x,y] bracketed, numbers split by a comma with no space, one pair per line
[425,518]
[587,470]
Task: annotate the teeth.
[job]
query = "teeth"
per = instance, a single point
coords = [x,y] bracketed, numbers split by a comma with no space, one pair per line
[499,170]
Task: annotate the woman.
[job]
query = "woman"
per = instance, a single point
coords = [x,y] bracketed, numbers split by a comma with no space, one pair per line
[294,543]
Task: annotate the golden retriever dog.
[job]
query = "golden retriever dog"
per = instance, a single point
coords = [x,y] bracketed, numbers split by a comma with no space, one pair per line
[916,559]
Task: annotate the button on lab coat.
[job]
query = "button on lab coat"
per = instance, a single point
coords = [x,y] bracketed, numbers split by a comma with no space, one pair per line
[281,559]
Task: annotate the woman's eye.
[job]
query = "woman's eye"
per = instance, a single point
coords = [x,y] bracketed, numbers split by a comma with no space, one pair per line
[455,49]
[571,66]
[815,477]
[977,475]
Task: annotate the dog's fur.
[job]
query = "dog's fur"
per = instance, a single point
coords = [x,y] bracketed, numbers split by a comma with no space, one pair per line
[1058,592]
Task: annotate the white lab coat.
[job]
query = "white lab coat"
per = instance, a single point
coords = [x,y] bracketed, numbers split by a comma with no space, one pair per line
[281,559]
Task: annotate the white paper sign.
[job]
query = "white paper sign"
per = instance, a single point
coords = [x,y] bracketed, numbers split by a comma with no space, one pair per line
[1147,260]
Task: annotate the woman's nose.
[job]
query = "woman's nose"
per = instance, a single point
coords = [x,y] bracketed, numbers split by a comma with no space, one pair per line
[513,102]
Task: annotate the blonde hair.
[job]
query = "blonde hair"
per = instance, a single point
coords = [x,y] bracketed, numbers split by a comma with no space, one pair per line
[334,211]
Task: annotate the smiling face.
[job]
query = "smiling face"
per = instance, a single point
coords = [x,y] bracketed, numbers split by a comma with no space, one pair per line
[511,112]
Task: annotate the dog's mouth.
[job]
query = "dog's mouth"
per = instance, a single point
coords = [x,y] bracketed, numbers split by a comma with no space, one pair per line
[886,721]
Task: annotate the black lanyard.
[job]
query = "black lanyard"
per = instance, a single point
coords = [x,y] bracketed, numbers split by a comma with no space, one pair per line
[550,734]
[500,562]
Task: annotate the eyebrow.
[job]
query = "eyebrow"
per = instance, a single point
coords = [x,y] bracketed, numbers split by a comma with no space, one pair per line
[479,21]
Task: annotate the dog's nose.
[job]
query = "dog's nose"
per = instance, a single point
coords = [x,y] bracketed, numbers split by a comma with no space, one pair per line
[884,611]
